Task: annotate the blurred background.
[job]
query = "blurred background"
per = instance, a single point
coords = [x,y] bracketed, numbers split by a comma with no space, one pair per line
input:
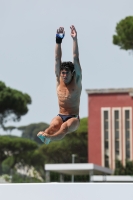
[28,100]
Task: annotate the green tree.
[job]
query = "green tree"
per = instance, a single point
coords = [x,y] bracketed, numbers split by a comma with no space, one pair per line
[124,170]
[7,164]
[119,169]
[19,178]
[15,150]
[124,34]
[13,104]
[129,168]
[9,128]
[20,152]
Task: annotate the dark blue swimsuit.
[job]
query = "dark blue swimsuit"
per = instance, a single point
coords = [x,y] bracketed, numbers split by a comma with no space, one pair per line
[66,117]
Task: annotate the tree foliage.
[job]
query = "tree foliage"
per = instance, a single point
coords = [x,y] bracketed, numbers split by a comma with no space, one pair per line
[15,150]
[124,170]
[13,104]
[83,128]
[19,178]
[124,34]
[10,128]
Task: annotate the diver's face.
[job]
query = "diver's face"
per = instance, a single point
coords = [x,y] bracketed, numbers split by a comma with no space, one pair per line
[66,76]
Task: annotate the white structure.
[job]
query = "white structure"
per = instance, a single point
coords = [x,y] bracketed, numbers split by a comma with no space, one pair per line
[113,179]
[75,169]
[66,191]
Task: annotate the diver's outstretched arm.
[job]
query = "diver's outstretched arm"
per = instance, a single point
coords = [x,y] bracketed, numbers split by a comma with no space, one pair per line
[76,62]
[58,52]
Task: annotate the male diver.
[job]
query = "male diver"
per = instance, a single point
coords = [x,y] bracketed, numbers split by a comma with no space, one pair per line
[68,76]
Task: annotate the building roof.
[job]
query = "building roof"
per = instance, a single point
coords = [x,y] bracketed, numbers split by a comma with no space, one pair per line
[110,90]
[77,168]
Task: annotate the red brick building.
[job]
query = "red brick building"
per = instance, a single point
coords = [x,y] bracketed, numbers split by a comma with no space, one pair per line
[110,131]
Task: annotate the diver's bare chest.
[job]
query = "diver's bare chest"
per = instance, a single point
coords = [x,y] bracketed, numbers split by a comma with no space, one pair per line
[66,92]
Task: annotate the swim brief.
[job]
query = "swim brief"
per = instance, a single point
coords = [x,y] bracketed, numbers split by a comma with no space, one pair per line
[66,117]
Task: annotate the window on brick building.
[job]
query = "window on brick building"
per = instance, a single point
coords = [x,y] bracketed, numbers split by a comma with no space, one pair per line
[127,134]
[117,133]
[106,138]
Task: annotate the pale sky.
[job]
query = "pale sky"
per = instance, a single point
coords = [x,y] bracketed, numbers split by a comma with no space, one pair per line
[27,42]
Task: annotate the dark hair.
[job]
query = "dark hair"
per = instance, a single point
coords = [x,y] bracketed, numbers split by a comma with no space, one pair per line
[68,66]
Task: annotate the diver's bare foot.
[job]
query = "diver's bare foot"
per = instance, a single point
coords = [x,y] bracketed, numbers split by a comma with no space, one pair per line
[44,137]
[47,136]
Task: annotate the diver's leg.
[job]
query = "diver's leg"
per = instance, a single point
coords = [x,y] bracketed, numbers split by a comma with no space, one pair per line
[67,127]
[54,125]
[53,128]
